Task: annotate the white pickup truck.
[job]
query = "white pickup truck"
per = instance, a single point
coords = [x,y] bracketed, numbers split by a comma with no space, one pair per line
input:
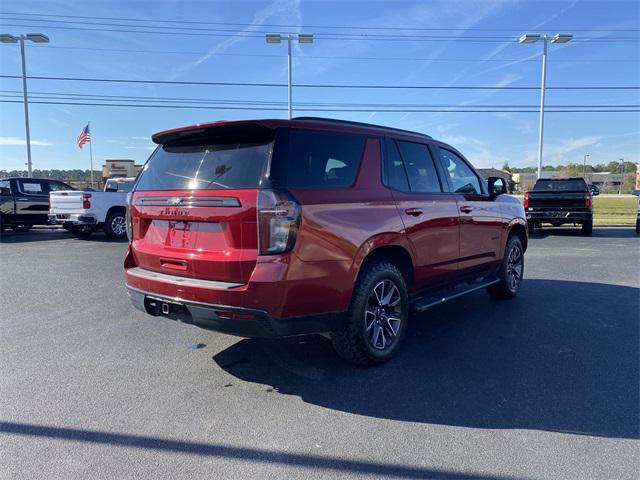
[83,212]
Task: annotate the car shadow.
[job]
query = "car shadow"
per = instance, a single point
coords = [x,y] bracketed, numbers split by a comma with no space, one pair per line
[609,232]
[561,357]
[52,234]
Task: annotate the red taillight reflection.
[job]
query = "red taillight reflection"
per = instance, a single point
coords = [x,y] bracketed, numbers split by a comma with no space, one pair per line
[85,200]
[526,200]
[587,200]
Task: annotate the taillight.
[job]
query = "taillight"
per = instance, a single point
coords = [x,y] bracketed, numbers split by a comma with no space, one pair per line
[587,200]
[278,221]
[526,200]
[86,203]
[129,222]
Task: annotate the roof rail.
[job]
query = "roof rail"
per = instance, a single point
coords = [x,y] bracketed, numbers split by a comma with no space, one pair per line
[361,124]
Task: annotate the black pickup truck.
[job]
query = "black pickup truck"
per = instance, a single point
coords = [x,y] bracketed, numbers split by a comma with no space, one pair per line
[24,202]
[560,201]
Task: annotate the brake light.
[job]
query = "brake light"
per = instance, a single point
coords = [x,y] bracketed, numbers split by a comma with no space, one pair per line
[526,200]
[278,221]
[85,200]
[587,200]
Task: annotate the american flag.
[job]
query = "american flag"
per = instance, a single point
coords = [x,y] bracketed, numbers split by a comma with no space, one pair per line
[84,136]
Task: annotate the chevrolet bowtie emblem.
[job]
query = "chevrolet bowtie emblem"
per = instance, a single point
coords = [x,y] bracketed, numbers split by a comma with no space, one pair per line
[175,201]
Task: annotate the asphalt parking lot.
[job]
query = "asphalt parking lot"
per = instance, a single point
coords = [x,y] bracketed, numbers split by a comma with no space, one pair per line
[543,386]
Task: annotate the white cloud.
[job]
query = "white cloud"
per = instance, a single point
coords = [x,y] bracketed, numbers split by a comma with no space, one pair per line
[276,8]
[17,141]
[454,139]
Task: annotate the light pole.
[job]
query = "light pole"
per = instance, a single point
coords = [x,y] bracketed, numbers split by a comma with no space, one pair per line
[621,179]
[277,38]
[36,38]
[584,167]
[533,38]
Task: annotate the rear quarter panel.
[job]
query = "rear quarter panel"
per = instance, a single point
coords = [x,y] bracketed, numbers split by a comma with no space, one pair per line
[339,227]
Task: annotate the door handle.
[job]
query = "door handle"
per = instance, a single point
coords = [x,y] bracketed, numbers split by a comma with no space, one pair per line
[466,209]
[415,212]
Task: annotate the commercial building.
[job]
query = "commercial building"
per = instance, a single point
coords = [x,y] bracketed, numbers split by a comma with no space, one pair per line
[605,181]
[494,172]
[120,168]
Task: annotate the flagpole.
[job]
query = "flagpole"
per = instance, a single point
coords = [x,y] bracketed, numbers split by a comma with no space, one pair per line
[90,151]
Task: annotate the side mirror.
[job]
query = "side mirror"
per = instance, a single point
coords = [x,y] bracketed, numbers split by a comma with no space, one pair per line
[596,192]
[497,186]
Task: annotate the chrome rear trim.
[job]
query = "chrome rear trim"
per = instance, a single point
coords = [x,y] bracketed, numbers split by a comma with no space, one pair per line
[178,201]
[182,281]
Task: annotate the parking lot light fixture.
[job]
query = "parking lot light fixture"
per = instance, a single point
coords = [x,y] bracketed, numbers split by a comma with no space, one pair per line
[533,38]
[561,38]
[584,166]
[529,38]
[273,38]
[6,38]
[36,38]
[277,38]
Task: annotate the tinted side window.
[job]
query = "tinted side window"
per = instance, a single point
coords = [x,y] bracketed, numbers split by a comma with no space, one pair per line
[420,168]
[5,187]
[461,177]
[394,168]
[33,187]
[58,186]
[323,159]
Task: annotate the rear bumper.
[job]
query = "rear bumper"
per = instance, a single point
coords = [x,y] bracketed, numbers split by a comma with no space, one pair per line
[562,216]
[72,219]
[232,320]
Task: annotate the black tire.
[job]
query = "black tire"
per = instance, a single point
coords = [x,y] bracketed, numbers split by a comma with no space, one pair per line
[507,287]
[638,226]
[587,228]
[81,231]
[115,225]
[21,228]
[354,340]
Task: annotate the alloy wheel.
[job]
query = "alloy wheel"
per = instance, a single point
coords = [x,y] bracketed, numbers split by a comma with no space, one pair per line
[119,225]
[383,315]
[515,268]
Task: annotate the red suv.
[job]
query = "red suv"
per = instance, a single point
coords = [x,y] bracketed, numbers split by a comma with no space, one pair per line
[267,228]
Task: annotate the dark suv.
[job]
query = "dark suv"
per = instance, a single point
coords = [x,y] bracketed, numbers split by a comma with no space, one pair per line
[267,228]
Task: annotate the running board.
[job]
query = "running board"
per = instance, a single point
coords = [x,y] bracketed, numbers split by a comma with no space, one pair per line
[441,296]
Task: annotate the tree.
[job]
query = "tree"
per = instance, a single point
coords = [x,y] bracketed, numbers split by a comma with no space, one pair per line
[506,167]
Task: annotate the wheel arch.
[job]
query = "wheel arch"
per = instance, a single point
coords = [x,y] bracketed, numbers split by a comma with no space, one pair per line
[389,247]
[519,229]
[115,208]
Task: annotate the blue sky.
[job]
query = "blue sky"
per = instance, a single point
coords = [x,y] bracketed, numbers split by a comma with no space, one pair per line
[487,139]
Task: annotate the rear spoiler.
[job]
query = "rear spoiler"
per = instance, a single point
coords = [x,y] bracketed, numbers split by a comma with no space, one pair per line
[222,132]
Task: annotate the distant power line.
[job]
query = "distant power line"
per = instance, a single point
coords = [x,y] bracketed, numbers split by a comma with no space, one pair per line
[319,35]
[334,27]
[310,85]
[139,98]
[338,57]
[259,108]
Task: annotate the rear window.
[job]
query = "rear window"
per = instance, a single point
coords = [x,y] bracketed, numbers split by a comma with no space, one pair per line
[205,166]
[319,159]
[115,186]
[560,185]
